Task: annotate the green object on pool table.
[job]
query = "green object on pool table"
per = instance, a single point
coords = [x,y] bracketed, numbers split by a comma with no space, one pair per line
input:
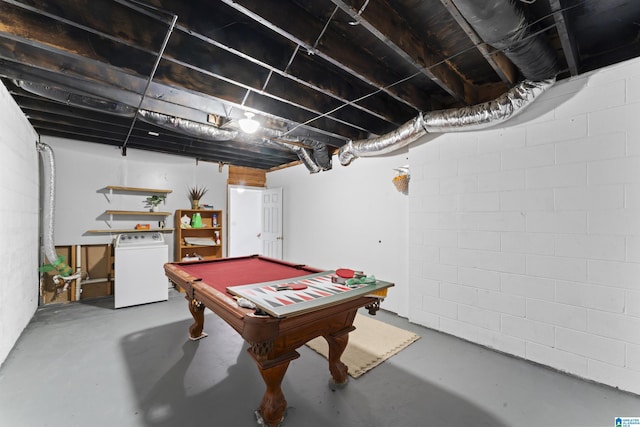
[368,280]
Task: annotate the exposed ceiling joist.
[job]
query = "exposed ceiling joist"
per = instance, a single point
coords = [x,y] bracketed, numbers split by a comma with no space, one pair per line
[323,71]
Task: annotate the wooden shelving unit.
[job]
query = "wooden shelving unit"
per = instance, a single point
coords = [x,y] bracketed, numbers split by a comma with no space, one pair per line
[211,233]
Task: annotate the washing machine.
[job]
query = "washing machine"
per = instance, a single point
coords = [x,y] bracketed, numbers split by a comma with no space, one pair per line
[139,269]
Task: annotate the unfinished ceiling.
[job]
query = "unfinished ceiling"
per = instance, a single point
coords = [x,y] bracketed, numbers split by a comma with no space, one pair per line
[176,76]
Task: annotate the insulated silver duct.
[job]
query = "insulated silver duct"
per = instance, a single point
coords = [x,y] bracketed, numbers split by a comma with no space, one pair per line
[475,117]
[487,114]
[320,153]
[56,262]
[394,140]
[501,24]
[189,127]
[47,157]
[200,130]
[305,157]
[77,100]
[316,160]
[303,154]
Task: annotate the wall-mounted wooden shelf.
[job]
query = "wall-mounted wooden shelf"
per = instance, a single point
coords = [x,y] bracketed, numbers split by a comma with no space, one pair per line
[137,189]
[111,213]
[128,230]
[143,213]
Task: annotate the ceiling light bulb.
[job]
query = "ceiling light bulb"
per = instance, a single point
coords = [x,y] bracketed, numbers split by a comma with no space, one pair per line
[248,125]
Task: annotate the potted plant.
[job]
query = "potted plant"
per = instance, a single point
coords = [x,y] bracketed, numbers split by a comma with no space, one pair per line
[196,194]
[153,201]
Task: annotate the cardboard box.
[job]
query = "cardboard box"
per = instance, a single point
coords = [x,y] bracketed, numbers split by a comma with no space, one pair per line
[96,289]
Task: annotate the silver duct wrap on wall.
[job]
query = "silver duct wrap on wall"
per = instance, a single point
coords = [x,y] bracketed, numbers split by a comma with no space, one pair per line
[56,263]
[470,118]
[49,206]
[189,127]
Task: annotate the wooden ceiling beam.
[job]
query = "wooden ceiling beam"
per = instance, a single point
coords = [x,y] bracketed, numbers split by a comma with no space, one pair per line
[386,25]
[567,42]
[339,51]
[503,67]
[182,68]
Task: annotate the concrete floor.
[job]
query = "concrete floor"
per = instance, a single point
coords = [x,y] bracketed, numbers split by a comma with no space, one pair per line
[86,364]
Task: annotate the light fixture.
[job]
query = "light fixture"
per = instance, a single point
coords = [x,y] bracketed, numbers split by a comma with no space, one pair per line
[248,125]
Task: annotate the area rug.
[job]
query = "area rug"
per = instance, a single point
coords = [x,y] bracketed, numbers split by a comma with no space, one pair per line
[370,344]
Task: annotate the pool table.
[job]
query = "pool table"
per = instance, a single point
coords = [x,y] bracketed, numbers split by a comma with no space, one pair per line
[272,340]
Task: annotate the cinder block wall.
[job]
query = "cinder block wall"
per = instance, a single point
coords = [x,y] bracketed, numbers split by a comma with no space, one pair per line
[526,239]
[19,224]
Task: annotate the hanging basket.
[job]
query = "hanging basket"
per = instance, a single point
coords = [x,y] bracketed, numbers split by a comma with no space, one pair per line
[402,183]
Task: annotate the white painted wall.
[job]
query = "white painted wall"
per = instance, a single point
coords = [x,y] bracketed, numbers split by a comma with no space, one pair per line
[350,217]
[19,222]
[526,239]
[85,169]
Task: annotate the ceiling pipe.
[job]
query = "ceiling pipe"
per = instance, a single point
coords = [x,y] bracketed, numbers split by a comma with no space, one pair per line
[486,114]
[503,25]
[317,159]
[304,154]
[320,153]
[475,117]
[75,99]
[189,127]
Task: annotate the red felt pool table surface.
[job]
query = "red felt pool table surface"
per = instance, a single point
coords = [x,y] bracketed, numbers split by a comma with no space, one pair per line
[224,272]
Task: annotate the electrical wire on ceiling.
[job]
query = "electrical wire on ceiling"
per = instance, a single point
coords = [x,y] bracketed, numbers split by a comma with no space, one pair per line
[149,80]
[364,6]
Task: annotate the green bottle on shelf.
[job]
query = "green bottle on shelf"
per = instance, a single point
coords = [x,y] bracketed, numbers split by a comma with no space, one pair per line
[196,221]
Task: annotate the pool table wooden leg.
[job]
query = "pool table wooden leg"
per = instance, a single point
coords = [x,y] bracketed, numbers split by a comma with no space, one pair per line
[197,311]
[338,370]
[273,405]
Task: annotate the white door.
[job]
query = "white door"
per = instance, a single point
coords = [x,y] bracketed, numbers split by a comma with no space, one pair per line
[245,221]
[272,223]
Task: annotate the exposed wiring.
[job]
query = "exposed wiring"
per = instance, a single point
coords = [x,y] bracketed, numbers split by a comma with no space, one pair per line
[364,6]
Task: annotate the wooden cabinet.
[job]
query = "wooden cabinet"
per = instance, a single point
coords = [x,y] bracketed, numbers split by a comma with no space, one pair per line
[206,241]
